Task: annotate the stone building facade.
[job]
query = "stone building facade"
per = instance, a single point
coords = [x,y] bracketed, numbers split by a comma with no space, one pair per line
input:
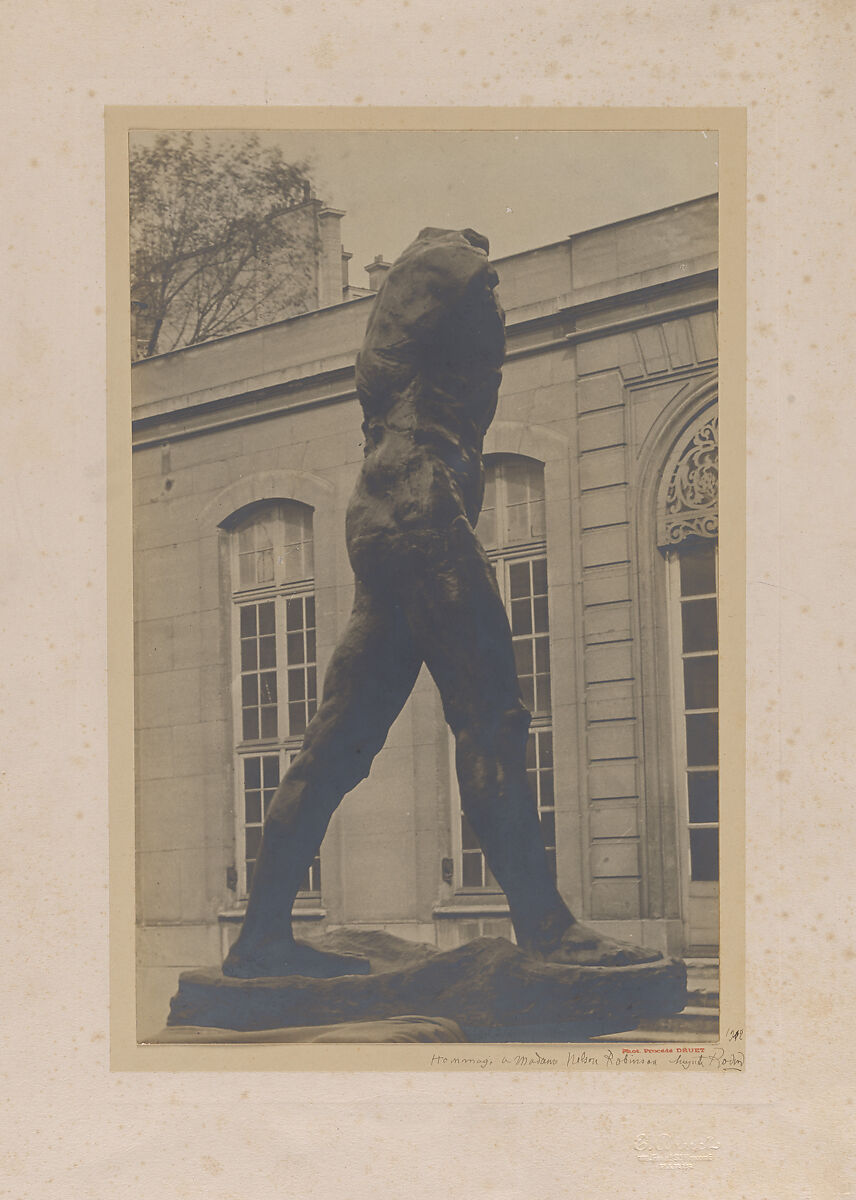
[601,517]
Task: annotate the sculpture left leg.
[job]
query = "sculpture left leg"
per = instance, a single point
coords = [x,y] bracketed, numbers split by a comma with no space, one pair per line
[369,678]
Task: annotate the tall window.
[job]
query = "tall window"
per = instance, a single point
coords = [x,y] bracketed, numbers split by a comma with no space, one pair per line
[694,590]
[512,529]
[687,532]
[275,673]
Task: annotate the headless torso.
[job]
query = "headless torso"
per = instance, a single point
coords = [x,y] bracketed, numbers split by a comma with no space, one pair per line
[427,378]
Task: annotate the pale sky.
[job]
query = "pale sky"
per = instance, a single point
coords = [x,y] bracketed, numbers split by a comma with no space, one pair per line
[521,189]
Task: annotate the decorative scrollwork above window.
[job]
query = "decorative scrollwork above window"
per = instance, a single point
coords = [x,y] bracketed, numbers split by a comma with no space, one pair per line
[689,497]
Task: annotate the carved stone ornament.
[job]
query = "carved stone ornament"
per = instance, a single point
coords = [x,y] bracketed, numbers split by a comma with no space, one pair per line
[689,503]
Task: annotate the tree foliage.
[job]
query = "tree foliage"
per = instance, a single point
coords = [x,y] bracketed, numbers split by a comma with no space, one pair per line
[223,237]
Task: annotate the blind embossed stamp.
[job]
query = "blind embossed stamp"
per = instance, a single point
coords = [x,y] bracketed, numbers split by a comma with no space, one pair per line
[671,1152]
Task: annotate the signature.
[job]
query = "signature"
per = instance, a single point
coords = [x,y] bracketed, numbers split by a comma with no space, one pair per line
[716,1060]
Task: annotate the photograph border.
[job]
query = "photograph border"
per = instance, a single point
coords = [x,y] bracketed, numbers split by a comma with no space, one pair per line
[730,124]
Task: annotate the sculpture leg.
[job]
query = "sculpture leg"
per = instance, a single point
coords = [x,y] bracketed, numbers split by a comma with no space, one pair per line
[461,627]
[371,674]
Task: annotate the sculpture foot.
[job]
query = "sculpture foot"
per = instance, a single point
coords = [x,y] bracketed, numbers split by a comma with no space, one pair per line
[279,959]
[583,947]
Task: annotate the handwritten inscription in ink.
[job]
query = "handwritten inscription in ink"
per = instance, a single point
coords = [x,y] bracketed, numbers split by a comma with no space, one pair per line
[686,1058]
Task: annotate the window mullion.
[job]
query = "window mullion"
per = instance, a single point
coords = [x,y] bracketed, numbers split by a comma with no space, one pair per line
[281,680]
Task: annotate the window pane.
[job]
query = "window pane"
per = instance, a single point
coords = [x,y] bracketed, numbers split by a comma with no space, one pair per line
[532,786]
[254,840]
[268,722]
[521,617]
[546,782]
[294,614]
[296,684]
[250,724]
[700,682]
[294,564]
[249,690]
[548,828]
[516,478]
[297,717]
[704,854]
[268,687]
[310,645]
[472,869]
[310,612]
[266,618]
[542,694]
[699,625]
[249,654]
[539,577]
[537,519]
[264,566]
[519,580]
[702,740]
[523,657]
[246,570]
[294,653]
[248,621]
[545,748]
[271,770]
[518,525]
[542,656]
[252,773]
[698,569]
[527,692]
[253,807]
[267,652]
[703,788]
[539,605]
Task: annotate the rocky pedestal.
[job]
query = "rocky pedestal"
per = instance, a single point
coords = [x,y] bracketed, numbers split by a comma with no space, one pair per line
[485,991]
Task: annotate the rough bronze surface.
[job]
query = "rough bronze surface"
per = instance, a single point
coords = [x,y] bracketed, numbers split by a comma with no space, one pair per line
[490,988]
[427,377]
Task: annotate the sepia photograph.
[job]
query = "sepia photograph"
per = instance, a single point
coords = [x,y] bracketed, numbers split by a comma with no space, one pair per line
[426,589]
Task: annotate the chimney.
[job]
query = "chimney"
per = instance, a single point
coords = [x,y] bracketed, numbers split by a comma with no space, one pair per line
[330,256]
[376,271]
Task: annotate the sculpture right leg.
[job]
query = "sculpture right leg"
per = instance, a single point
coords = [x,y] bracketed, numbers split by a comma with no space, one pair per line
[459,622]
[370,676]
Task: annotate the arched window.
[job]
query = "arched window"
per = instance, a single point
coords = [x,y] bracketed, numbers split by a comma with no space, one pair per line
[275,687]
[512,529]
[687,532]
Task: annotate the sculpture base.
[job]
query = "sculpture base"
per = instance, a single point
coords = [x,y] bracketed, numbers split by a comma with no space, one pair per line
[489,988]
[393,1029]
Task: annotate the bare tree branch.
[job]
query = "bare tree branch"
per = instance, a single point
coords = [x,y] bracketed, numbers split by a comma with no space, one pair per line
[223,236]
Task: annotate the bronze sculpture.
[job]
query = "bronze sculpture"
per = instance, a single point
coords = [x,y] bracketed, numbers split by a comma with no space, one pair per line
[427,377]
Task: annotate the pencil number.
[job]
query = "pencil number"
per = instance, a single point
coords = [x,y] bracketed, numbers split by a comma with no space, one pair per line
[734,1035]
